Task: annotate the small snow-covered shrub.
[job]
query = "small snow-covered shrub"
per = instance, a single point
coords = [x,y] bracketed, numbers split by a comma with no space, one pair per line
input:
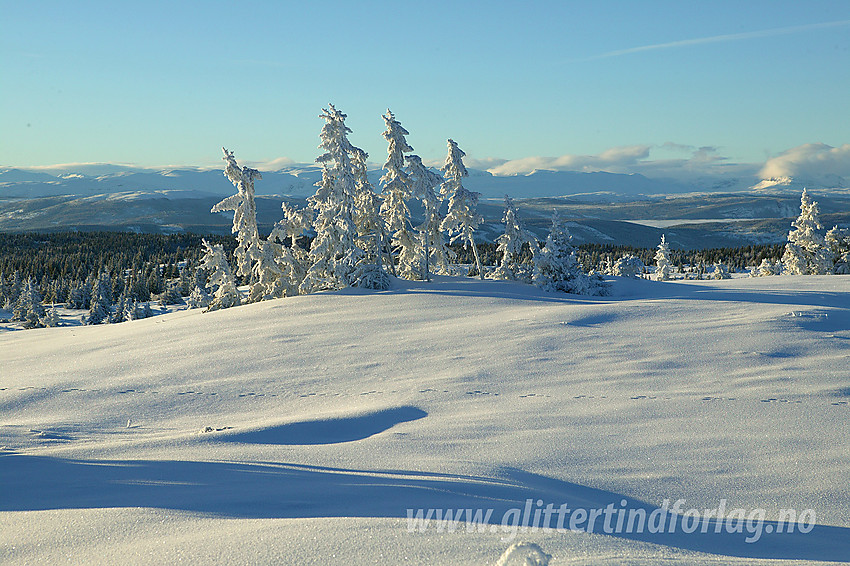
[524,554]
[721,271]
[766,268]
[628,266]
[371,276]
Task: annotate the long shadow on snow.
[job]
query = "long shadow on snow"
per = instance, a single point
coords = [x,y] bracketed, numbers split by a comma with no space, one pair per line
[274,490]
[644,290]
[329,431]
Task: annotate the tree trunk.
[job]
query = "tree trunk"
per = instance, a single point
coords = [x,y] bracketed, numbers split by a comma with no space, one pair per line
[477,259]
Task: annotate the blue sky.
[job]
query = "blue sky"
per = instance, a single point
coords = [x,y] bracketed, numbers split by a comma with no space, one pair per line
[156,83]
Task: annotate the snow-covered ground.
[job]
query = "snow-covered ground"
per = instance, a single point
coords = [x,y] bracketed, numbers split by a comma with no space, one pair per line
[302,430]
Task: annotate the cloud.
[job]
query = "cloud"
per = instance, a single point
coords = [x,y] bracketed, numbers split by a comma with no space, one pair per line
[614,160]
[722,38]
[701,166]
[486,163]
[809,161]
[270,165]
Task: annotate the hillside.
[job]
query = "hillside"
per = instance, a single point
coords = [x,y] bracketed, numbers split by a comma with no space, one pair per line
[301,430]
[602,207]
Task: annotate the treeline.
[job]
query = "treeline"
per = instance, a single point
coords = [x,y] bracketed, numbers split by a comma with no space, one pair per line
[57,263]
[594,256]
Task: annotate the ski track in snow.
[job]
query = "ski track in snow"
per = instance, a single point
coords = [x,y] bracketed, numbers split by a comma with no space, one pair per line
[288,430]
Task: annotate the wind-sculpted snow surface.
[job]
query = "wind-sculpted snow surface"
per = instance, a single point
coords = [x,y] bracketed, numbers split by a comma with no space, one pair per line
[439,423]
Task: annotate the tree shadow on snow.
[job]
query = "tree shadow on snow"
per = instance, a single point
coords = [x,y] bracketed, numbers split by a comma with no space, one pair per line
[328,431]
[278,490]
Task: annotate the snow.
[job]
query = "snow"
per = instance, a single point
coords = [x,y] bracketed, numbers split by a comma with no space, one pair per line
[300,430]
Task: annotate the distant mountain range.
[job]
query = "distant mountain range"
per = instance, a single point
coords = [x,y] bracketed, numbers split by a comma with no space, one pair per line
[603,207]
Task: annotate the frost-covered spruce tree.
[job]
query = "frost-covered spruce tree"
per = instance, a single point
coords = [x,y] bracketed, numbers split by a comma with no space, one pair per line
[5,289]
[721,271]
[371,232]
[171,295]
[462,217]
[244,213]
[120,312]
[51,318]
[80,295]
[556,267]
[837,241]
[805,252]
[101,301]
[510,245]
[766,268]
[291,259]
[334,254]
[628,266]
[663,267]
[13,290]
[267,277]
[199,297]
[220,278]
[435,254]
[28,307]
[397,190]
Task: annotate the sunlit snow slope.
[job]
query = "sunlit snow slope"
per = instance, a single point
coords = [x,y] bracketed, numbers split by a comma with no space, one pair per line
[300,431]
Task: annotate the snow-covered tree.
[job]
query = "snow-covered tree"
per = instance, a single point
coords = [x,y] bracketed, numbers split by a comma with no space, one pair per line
[721,271]
[244,213]
[462,218]
[805,252]
[120,312]
[663,267]
[766,268]
[292,259]
[101,301]
[137,310]
[837,241]
[80,296]
[199,298]
[5,291]
[510,245]
[556,267]
[12,290]
[28,307]
[51,318]
[267,278]
[171,295]
[334,254]
[435,254]
[371,234]
[628,266]
[397,190]
[220,278]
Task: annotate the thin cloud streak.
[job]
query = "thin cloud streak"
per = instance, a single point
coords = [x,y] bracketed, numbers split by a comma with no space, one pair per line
[721,39]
